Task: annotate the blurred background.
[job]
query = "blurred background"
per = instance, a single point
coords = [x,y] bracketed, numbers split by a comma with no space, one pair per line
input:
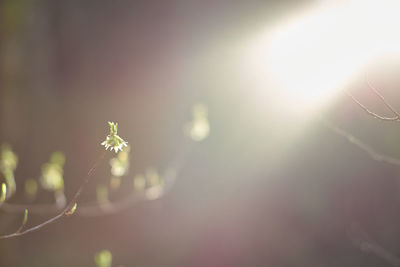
[271,185]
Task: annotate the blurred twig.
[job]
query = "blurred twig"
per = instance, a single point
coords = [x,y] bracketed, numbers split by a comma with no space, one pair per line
[362,240]
[359,237]
[361,145]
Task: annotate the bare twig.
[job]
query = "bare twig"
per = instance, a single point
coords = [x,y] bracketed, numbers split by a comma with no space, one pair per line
[371,113]
[361,145]
[65,211]
[382,98]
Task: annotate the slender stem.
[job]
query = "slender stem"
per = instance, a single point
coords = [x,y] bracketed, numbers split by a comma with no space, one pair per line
[382,98]
[371,113]
[65,211]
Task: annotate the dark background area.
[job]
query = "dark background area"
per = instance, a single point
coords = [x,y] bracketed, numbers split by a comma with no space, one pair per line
[262,190]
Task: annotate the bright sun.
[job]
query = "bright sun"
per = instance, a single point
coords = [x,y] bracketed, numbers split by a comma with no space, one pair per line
[316,53]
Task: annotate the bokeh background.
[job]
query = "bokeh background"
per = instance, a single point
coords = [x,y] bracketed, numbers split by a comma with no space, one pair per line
[270,186]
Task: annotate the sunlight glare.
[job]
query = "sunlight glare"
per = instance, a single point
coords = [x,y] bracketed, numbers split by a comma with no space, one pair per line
[317,53]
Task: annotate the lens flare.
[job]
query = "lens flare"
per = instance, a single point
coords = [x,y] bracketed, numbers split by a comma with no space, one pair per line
[317,53]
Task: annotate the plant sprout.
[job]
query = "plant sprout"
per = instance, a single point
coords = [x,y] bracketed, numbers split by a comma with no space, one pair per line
[113,141]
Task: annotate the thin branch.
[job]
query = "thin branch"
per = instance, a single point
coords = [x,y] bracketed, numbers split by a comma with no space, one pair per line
[371,113]
[382,99]
[361,145]
[66,210]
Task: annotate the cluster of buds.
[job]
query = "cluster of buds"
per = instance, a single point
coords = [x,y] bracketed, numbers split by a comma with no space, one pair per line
[113,141]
